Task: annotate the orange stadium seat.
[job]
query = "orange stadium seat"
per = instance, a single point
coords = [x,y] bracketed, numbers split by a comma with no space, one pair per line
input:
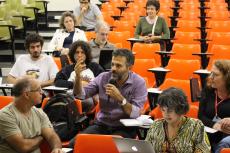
[182,69]
[5,100]
[193,112]
[141,67]
[146,51]
[187,37]
[94,143]
[120,37]
[225,150]
[185,51]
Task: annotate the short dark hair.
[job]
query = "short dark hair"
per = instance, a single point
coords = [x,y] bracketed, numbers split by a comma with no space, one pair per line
[85,47]
[33,38]
[64,15]
[174,99]
[155,3]
[125,53]
[20,86]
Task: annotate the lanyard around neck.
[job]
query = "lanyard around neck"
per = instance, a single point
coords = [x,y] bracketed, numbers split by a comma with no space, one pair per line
[217,103]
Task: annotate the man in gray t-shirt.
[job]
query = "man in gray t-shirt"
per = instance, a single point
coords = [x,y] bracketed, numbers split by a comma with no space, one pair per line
[87,14]
[23,127]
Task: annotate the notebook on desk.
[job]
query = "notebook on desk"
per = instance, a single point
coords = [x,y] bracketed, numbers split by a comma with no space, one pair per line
[125,145]
[105,58]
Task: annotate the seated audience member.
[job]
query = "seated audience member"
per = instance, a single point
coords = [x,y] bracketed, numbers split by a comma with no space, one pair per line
[36,65]
[152,27]
[101,40]
[87,14]
[22,126]
[79,51]
[175,132]
[215,104]
[66,35]
[122,94]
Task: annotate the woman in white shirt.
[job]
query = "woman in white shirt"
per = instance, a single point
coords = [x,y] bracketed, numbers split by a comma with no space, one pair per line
[66,35]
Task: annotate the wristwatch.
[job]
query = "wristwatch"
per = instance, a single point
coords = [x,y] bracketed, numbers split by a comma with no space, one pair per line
[124,102]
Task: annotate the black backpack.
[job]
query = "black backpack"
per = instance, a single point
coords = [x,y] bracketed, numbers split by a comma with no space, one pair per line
[63,114]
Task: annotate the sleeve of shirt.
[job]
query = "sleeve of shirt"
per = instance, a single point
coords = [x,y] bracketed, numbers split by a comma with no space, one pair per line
[139,98]
[202,115]
[96,10]
[138,29]
[201,139]
[16,68]
[8,125]
[166,33]
[62,77]
[92,88]
[53,43]
[45,122]
[53,69]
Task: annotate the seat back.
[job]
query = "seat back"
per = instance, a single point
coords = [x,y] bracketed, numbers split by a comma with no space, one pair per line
[182,69]
[225,150]
[193,112]
[186,37]
[5,100]
[141,67]
[182,84]
[120,37]
[57,61]
[94,143]
[185,51]
[146,51]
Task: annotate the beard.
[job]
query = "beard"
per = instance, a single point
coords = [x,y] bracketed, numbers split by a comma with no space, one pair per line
[36,54]
[116,76]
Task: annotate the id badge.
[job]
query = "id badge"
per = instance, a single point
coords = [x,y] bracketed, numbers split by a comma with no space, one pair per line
[216,119]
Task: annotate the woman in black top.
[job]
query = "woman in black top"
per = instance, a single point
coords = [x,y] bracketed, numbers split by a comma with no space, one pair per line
[214,108]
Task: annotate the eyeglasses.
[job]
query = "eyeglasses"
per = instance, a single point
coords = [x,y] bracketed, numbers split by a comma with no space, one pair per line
[36,90]
[213,74]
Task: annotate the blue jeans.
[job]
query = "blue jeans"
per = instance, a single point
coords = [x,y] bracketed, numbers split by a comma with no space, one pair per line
[224,143]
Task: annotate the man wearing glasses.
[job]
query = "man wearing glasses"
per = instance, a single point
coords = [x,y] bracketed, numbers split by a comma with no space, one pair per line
[87,14]
[35,64]
[22,126]
[101,40]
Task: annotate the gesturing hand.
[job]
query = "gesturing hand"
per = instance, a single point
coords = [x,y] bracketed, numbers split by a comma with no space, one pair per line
[225,125]
[79,67]
[112,91]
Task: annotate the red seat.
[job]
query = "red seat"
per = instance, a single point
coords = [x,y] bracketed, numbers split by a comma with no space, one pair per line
[94,143]
[5,100]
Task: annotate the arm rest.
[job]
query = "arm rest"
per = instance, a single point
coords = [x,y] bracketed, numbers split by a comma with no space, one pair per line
[202,72]
[202,54]
[159,69]
[164,52]
[202,40]
[154,90]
